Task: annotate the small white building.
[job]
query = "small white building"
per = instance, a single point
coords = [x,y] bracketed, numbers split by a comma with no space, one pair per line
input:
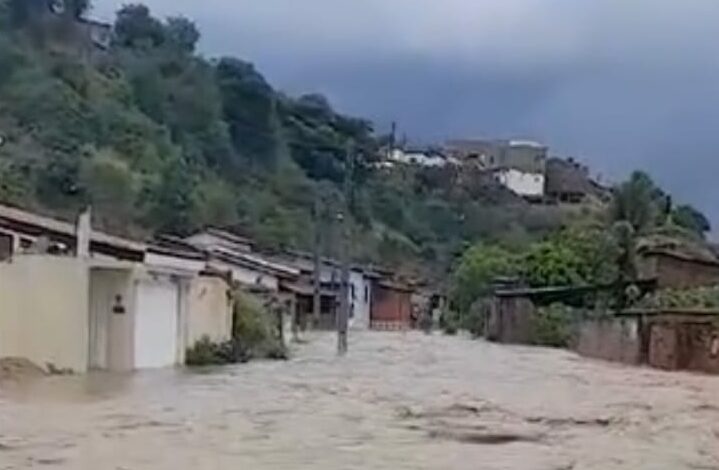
[426,158]
[526,184]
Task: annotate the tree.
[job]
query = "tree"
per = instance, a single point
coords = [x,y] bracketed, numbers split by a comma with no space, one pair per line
[18,13]
[108,183]
[77,8]
[171,200]
[249,110]
[626,239]
[182,33]
[136,27]
[573,256]
[476,271]
[691,219]
[635,202]
[552,264]
[5,13]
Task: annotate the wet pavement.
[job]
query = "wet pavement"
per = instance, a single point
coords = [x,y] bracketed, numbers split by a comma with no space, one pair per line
[397,401]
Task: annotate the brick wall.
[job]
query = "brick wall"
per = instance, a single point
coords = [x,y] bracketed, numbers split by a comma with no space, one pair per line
[681,342]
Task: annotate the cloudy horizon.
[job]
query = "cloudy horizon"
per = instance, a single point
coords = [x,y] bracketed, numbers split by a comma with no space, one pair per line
[619,85]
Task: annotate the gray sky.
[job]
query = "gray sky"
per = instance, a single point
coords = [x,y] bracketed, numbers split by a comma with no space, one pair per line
[620,84]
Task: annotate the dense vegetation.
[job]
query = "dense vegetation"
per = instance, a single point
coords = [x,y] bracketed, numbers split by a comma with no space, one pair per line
[600,249]
[158,138]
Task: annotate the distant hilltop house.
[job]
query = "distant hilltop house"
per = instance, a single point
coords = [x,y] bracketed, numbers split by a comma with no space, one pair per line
[522,166]
[58,19]
[519,165]
[425,157]
[569,181]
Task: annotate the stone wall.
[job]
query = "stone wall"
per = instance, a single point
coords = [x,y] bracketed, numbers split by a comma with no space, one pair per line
[612,339]
[681,342]
[510,320]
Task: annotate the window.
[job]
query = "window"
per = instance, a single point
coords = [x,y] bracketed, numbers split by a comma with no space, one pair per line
[6,242]
[366,293]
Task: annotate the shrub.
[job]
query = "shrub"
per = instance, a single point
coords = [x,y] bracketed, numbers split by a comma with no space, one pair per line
[206,353]
[475,319]
[255,327]
[449,322]
[552,326]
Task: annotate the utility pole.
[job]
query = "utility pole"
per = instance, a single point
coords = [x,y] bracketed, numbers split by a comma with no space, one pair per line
[316,274]
[392,139]
[344,218]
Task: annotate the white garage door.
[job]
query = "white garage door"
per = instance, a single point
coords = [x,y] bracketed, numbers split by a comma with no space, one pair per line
[156,324]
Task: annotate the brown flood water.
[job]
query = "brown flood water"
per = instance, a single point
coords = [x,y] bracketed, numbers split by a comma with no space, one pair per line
[398,401]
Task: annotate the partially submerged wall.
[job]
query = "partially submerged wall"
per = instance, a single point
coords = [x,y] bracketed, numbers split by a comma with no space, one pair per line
[44,311]
[210,310]
[681,342]
[510,320]
[613,339]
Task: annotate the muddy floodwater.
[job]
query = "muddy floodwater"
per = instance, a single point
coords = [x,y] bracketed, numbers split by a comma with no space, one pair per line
[397,401]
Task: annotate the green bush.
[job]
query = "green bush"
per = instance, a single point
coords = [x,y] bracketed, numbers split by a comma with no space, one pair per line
[207,353]
[696,298]
[255,327]
[449,322]
[552,326]
[475,319]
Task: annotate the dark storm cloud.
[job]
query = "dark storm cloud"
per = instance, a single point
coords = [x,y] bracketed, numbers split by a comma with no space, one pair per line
[621,84]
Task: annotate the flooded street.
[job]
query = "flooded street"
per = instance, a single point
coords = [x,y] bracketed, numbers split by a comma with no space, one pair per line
[398,401]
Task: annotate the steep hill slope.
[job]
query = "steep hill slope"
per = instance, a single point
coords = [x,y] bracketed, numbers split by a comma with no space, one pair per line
[158,138]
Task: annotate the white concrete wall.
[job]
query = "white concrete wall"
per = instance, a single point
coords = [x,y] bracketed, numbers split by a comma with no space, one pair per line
[44,310]
[523,184]
[210,310]
[360,301]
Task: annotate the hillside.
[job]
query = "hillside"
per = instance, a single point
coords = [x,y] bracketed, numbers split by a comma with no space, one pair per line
[158,138]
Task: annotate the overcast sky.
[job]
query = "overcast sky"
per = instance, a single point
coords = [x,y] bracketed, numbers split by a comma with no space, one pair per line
[620,84]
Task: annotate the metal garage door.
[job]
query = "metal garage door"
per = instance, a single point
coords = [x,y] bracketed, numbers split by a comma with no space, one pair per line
[156,324]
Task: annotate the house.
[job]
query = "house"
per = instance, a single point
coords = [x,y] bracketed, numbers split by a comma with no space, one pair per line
[140,313]
[670,339]
[58,20]
[81,299]
[210,297]
[519,165]
[426,157]
[391,305]
[97,33]
[529,185]
[359,292]
[567,181]
[677,267]
[231,253]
